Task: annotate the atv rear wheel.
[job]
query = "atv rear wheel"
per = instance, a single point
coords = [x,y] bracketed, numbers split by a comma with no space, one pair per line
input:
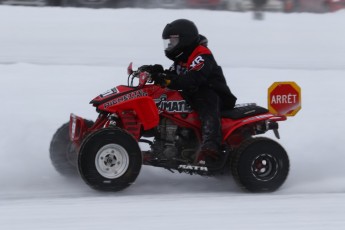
[63,154]
[260,165]
[109,159]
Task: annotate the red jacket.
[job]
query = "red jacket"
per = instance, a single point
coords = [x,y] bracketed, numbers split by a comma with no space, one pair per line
[200,71]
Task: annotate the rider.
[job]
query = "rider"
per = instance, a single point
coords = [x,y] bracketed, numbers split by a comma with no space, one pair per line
[201,80]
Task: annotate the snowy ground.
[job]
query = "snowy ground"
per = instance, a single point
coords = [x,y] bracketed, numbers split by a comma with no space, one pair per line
[54,61]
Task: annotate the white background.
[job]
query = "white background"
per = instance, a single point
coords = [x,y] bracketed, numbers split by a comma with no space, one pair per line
[53,61]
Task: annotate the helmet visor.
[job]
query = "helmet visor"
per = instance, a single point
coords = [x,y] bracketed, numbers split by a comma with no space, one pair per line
[171,43]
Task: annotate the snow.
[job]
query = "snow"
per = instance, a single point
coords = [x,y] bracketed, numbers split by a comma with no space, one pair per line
[53,61]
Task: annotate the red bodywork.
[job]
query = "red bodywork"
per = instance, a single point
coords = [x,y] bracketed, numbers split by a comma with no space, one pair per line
[139,109]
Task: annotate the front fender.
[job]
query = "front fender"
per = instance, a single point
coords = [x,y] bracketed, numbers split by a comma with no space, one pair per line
[144,108]
[77,128]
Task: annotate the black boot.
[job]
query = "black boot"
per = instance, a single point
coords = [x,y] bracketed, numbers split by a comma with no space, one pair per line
[213,160]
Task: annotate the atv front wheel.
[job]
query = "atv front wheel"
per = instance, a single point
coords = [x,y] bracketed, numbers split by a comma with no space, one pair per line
[63,154]
[260,165]
[109,159]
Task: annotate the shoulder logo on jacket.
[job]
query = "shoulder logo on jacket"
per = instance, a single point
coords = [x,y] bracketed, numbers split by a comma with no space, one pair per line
[197,64]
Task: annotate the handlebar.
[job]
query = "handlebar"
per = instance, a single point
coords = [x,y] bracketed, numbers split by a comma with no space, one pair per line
[144,76]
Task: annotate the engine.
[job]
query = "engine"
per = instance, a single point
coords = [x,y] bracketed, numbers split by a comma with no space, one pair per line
[173,142]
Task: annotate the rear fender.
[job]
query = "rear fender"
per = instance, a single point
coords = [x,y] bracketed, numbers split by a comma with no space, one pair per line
[269,119]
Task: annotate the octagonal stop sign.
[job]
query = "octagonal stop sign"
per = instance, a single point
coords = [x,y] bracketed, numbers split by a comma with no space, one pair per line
[284,98]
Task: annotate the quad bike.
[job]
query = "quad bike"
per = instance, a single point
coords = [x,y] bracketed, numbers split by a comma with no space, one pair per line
[107,155]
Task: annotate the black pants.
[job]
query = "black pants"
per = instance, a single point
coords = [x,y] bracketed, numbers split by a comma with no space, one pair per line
[207,103]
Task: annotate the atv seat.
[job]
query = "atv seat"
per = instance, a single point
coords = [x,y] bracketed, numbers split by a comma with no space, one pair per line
[242,111]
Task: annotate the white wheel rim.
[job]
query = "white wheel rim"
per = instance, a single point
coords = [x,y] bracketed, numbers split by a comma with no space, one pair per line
[112,161]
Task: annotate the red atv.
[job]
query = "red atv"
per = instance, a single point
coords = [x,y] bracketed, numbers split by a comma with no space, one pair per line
[108,156]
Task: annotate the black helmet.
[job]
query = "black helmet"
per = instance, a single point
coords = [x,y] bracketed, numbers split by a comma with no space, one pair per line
[178,36]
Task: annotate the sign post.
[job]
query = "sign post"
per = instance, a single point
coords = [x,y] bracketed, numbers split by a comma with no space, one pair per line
[284,98]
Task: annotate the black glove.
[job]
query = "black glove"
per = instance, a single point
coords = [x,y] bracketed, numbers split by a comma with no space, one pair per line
[163,79]
[160,79]
[152,69]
